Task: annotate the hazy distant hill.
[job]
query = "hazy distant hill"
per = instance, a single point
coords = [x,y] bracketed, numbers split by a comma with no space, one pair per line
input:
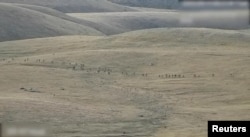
[22,23]
[75,5]
[118,22]
[168,4]
[64,16]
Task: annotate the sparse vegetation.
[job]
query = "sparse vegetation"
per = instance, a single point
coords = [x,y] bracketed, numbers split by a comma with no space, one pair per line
[129,94]
[164,82]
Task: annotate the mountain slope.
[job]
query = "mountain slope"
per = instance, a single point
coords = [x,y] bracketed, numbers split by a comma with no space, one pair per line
[96,25]
[21,23]
[75,5]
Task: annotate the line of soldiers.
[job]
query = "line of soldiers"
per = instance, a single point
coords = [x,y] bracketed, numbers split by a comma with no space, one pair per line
[171,76]
[76,66]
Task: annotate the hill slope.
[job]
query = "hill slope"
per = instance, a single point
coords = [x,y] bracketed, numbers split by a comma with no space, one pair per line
[75,5]
[187,35]
[96,25]
[119,22]
[150,83]
[21,23]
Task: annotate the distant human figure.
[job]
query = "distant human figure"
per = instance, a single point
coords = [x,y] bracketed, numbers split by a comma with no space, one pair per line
[82,67]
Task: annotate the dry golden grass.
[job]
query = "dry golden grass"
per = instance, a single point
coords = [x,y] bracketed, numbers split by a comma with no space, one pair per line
[135,99]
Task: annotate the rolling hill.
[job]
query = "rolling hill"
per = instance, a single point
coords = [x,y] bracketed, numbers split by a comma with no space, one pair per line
[22,23]
[119,22]
[70,6]
[44,21]
[187,35]
[151,83]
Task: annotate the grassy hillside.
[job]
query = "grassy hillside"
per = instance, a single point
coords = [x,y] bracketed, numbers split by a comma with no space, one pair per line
[155,83]
[188,35]
[22,23]
[75,5]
